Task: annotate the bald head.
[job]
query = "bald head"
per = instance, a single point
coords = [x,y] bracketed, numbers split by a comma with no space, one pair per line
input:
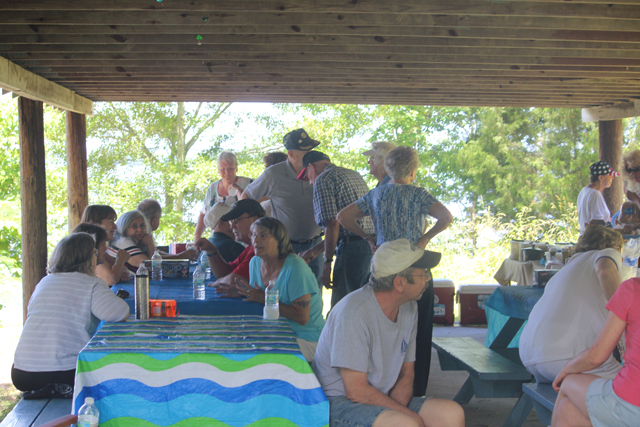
[152,210]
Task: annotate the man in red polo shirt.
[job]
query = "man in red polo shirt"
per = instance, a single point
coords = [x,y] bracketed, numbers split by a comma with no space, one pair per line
[241,216]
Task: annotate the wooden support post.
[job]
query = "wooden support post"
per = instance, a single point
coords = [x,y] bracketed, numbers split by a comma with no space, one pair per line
[610,147]
[77,185]
[33,193]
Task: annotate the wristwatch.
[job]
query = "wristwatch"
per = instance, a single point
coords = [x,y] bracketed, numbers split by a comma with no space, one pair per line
[326,260]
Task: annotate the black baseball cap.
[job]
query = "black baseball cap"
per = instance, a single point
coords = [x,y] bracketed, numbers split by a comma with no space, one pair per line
[311,157]
[244,206]
[299,139]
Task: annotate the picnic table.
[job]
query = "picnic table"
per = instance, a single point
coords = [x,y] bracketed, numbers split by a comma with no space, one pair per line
[199,370]
[181,290]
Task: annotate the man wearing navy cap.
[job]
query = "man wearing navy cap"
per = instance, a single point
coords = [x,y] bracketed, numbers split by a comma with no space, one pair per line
[291,198]
[592,208]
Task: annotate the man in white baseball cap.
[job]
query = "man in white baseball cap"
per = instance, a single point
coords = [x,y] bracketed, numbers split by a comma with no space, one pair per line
[367,347]
[222,236]
[376,155]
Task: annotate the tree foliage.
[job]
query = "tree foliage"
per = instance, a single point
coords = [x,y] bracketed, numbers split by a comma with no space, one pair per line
[144,152]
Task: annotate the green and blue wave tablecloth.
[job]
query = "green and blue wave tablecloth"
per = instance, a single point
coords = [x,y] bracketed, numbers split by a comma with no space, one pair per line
[196,371]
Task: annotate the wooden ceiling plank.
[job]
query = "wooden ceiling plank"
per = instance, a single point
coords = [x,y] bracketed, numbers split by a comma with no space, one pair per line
[438,7]
[335,36]
[220,52]
[132,22]
[24,83]
[320,42]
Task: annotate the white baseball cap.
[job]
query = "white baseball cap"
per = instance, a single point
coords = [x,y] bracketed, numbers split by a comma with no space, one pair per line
[213,215]
[398,255]
[379,149]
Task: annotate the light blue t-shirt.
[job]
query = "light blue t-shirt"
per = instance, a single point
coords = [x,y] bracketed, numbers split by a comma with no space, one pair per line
[295,280]
[399,211]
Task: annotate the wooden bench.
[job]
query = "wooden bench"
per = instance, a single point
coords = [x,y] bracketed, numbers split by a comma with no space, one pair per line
[541,396]
[38,412]
[490,374]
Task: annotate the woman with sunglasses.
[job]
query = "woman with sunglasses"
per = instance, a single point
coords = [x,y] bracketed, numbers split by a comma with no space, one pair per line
[133,236]
[63,314]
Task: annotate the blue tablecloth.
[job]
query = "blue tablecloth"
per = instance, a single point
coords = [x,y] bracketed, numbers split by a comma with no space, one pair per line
[199,371]
[181,290]
[515,301]
[507,302]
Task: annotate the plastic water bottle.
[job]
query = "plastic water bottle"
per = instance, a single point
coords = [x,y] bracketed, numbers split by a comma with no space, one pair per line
[142,293]
[204,262]
[271,304]
[156,266]
[198,283]
[88,415]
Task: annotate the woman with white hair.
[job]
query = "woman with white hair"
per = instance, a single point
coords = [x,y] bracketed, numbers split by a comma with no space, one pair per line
[399,210]
[63,314]
[134,236]
[224,190]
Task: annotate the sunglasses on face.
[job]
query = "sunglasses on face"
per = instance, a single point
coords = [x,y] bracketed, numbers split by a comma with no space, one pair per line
[633,170]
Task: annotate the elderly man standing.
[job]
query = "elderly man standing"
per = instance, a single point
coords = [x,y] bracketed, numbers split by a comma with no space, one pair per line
[152,210]
[366,352]
[335,188]
[376,155]
[592,209]
[291,199]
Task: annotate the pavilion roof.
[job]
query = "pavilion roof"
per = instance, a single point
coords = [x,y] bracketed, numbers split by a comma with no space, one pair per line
[548,53]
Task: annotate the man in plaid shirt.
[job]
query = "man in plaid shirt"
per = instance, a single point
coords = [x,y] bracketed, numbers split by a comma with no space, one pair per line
[335,188]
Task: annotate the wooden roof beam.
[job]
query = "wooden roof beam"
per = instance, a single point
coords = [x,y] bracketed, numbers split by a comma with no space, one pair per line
[613,112]
[24,83]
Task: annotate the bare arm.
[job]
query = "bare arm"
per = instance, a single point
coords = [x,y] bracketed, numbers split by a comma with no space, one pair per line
[598,353]
[359,390]
[331,233]
[200,227]
[219,267]
[608,276]
[348,219]
[299,311]
[402,391]
[443,217]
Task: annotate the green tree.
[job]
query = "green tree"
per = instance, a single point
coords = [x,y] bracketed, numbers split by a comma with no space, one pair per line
[144,153]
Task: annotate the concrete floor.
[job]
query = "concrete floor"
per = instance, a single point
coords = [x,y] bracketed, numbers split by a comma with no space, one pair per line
[478,412]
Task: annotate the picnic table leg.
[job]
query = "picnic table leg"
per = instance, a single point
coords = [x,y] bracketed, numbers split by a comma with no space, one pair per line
[465,393]
[508,331]
[520,412]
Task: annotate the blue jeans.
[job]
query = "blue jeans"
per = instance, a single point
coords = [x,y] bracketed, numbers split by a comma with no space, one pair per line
[351,269]
[316,263]
[345,413]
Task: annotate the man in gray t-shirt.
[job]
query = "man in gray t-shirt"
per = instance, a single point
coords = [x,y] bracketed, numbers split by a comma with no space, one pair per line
[291,198]
[366,351]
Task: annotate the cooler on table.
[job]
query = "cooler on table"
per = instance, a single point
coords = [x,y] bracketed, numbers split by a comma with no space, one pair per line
[176,248]
[444,293]
[472,299]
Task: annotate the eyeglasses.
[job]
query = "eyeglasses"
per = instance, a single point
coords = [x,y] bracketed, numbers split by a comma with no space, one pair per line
[136,226]
[237,220]
[634,170]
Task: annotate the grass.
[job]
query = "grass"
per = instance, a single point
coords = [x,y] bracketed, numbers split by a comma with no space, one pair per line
[9,397]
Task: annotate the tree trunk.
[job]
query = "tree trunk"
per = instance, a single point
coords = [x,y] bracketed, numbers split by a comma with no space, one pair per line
[77,184]
[610,147]
[181,154]
[33,195]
